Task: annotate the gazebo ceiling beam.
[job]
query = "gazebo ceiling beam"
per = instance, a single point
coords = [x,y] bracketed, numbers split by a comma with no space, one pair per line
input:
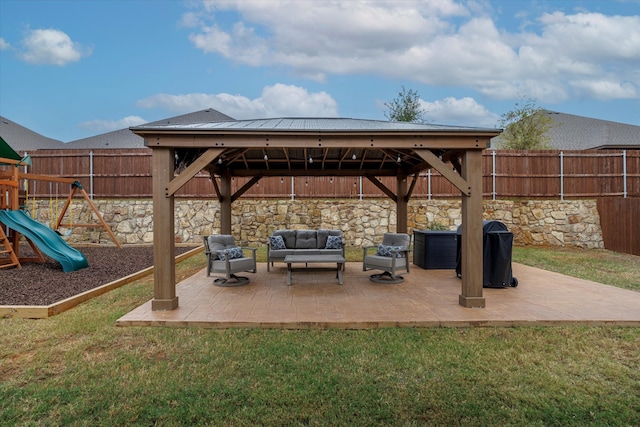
[414,181]
[216,187]
[430,141]
[363,158]
[312,172]
[343,157]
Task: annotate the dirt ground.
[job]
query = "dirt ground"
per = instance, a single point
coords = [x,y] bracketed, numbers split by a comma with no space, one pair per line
[46,283]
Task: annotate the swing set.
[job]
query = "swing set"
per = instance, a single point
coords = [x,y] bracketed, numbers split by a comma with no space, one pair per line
[76,187]
[10,201]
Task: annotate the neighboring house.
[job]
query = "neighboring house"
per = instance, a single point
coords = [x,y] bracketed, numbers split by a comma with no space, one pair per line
[23,140]
[124,138]
[570,132]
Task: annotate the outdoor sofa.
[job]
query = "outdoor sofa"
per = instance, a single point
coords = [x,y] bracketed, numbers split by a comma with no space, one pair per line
[303,242]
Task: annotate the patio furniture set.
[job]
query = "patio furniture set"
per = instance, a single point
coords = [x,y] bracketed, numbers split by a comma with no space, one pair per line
[294,247]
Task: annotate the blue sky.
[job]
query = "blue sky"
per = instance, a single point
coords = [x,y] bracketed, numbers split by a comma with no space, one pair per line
[78,68]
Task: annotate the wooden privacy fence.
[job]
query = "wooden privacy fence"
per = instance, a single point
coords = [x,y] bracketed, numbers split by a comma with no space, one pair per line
[508,174]
[619,220]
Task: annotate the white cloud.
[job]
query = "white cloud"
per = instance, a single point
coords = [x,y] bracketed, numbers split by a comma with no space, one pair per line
[460,112]
[4,45]
[278,100]
[605,89]
[102,126]
[445,43]
[52,47]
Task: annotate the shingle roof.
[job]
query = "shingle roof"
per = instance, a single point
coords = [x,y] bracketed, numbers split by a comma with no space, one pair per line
[124,138]
[570,132]
[22,139]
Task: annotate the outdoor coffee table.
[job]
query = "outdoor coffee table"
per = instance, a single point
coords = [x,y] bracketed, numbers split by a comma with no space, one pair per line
[314,259]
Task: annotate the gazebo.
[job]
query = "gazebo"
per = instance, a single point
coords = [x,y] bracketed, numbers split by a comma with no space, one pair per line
[314,147]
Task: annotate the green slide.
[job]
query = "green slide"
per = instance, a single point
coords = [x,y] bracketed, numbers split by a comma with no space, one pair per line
[47,240]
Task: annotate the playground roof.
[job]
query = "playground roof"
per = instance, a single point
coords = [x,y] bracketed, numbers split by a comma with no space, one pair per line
[7,152]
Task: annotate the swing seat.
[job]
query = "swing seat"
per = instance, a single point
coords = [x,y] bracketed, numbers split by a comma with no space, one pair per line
[66,233]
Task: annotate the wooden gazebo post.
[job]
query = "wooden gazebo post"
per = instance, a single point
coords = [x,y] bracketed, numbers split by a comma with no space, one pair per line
[472,251]
[164,271]
[401,204]
[225,203]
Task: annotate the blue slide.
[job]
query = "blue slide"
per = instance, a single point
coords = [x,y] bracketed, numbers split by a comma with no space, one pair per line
[47,240]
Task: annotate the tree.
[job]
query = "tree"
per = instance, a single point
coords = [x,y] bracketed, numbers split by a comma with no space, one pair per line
[405,108]
[525,127]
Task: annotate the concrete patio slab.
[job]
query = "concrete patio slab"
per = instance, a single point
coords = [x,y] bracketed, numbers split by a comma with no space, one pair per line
[427,298]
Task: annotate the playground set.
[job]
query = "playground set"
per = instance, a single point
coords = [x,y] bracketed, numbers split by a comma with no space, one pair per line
[16,223]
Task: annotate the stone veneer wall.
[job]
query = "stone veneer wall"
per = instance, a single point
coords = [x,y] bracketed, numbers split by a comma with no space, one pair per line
[541,222]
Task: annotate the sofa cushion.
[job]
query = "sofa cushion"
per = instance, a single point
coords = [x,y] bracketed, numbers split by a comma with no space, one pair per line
[217,242]
[385,262]
[306,239]
[324,234]
[237,265]
[330,251]
[281,253]
[396,239]
[289,237]
[307,252]
[333,242]
[277,243]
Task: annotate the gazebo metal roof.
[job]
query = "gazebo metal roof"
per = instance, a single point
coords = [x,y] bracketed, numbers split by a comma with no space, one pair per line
[315,146]
[309,124]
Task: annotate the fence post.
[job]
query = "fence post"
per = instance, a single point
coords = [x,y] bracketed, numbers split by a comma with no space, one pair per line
[293,193]
[360,196]
[561,175]
[624,173]
[91,174]
[429,184]
[493,174]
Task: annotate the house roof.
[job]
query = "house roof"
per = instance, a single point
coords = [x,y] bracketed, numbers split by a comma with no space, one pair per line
[124,138]
[21,139]
[570,132]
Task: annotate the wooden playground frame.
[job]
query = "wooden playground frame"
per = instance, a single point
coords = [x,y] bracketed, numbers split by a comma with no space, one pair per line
[10,200]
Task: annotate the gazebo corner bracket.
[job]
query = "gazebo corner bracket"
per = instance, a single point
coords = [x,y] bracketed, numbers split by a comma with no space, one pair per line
[200,163]
[455,179]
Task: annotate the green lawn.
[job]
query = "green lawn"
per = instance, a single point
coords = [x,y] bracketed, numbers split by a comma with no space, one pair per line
[78,369]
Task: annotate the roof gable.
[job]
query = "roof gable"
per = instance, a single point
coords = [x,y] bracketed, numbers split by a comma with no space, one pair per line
[571,132]
[124,138]
[22,139]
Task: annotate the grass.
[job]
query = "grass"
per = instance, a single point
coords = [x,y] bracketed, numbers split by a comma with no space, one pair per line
[78,369]
[598,265]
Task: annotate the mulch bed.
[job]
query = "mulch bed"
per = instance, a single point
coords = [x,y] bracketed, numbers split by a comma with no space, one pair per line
[46,283]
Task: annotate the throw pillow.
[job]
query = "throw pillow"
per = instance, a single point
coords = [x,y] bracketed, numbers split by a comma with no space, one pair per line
[277,242]
[232,253]
[334,242]
[384,250]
